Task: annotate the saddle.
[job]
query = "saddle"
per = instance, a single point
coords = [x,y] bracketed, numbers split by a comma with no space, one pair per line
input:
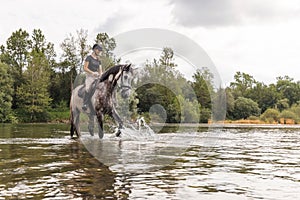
[81,91]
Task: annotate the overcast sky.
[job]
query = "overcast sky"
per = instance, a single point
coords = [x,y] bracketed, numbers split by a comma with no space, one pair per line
[258,37]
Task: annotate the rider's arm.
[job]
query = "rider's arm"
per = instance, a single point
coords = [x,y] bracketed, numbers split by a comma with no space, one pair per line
[85,67]
[100,70]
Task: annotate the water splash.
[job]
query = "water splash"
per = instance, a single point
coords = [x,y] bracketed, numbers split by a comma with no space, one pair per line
[139,130]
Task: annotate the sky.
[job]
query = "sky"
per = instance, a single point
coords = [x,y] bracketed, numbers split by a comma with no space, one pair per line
[257,37]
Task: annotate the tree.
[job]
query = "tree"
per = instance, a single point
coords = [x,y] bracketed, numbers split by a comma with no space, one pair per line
[167,57]
[287,88]
[40,44]
[190,110]
[33,95]
[70,58]
[203,87]
[108,44]
[83,47]
[219,105]
[5,93]
[242,85]
[229,103]
[265,96]
[270,115]
[16,56]
[282,104]
[244,108]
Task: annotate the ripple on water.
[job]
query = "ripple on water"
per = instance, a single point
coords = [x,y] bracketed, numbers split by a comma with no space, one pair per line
[226,164]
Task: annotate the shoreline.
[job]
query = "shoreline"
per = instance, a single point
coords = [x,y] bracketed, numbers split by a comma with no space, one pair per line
[228,125]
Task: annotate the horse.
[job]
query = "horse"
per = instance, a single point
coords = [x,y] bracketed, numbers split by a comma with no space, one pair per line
[102,101]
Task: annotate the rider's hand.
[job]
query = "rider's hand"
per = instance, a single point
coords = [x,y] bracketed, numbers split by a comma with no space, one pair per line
[95,74]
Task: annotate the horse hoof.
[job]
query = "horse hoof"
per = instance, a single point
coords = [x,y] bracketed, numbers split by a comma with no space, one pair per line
[118,133]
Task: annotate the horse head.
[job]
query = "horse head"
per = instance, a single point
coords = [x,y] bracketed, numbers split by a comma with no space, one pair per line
[125,80]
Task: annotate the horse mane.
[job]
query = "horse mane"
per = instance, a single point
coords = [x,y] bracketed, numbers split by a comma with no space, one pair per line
[113,70]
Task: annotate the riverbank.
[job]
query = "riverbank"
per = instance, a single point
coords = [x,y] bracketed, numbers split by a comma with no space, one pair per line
[228,125]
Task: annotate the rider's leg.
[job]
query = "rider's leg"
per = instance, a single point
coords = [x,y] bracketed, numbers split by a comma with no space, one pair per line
[88,82]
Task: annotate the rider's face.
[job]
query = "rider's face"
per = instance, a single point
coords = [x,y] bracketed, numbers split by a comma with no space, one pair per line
[97,52]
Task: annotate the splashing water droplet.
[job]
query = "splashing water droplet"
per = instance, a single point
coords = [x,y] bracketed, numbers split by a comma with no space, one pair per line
[139,130]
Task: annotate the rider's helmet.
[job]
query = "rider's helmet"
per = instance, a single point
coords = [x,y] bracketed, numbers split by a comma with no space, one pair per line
[97,46]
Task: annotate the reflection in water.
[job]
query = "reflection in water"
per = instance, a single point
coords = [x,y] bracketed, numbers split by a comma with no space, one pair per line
[230,163]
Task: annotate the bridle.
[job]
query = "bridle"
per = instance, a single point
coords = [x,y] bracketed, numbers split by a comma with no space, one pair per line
[122,86]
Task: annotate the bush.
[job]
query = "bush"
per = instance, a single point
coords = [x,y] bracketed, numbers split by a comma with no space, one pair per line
[270,115]
[244,108]
[286,114]
[253,118]
[59,116]
[205,115]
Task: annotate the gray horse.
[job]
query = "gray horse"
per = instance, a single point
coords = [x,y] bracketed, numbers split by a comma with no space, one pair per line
[102,99]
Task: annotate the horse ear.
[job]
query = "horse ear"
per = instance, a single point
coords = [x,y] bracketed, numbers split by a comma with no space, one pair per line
[127,67]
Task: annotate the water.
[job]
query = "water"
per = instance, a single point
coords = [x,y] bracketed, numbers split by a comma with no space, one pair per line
[41,162]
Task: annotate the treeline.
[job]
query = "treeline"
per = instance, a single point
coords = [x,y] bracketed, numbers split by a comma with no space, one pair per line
[35,82]
[36,85]
[251,99]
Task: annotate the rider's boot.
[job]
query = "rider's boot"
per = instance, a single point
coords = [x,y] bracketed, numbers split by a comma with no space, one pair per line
[85,100]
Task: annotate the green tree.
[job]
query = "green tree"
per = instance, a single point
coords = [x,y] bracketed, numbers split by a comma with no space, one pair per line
[75,49]
[162,84]
[83,47]
[5,93]
[244,108]
[40,44]
[282,104]
[190,110]
[229,103]
[167,57]
[287,88]
[270,115]
[16,56]
[108,44]
[242,85]
[219,105]
[33,95]
[70,59]
[203,87]
[288,114]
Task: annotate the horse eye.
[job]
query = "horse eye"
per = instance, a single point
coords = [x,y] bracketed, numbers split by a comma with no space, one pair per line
[125,77]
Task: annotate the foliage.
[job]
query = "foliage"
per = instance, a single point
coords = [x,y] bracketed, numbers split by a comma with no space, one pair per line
[203,87]
[163,85]
[36,84]
[287,114]
[244,107]
[288,89]
[190,110]
[205,115]
[5,93]
[108,44]
[270,114]
[242,85]
[219,105]
[33,95]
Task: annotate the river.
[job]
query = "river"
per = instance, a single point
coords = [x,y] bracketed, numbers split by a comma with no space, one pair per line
[40,161]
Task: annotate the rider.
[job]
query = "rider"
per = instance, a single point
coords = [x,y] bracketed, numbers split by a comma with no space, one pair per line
[92,67]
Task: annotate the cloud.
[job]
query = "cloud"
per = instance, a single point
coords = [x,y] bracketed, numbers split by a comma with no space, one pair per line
[114,22]
[215,13]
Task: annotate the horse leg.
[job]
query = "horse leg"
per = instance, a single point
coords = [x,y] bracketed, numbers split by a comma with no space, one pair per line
[100,125]
[73,128]
[77,125]
[117,118]
[91,124]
